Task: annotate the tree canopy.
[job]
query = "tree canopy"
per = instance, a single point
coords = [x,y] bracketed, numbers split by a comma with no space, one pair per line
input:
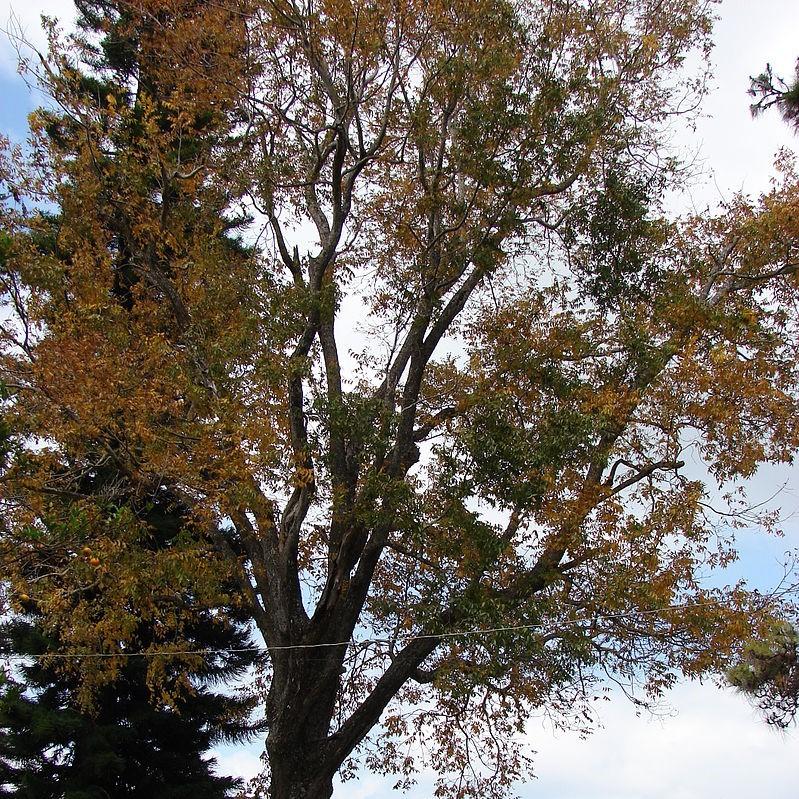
[768,671]
[382,295]
[125,744]
[145,732]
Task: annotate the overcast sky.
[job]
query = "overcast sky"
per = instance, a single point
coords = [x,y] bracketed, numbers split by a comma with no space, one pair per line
[712,744]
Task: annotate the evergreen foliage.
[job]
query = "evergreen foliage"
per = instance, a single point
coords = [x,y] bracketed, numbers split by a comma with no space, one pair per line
[769,674]
[124,745]
[771,90]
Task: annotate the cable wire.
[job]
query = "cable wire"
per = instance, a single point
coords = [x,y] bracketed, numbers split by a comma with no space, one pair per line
[359,643]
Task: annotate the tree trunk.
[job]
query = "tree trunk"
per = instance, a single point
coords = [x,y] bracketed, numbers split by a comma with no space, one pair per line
[299,712]
[293,777]
[297,764]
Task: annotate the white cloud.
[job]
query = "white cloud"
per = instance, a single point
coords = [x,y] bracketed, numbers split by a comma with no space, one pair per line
[239,761]
[709,744]
[713,745]
[737,150]
[22,20]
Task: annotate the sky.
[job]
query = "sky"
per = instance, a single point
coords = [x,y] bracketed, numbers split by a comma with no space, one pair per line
[709,743]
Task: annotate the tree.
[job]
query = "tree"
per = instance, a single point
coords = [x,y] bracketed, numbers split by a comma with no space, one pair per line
[483,508]
[769,674]
[65,734]
[768,671]
[118,740]
[772,90]
[124,745]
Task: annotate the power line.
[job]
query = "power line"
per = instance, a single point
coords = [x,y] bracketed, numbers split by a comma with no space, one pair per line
[362,642]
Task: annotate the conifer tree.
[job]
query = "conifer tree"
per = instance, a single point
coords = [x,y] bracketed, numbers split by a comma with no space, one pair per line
[124,739]
[145,727]
[772,90]
[769,673]
[125,744]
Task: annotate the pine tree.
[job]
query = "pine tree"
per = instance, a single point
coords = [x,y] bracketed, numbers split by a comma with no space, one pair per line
[769,674]
[124,742]
[119,740]
[125,746]
[771,90]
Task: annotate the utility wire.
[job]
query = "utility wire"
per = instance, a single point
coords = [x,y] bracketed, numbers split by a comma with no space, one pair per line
[362,642]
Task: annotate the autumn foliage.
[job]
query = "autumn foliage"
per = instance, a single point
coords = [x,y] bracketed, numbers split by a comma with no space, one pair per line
[382,297]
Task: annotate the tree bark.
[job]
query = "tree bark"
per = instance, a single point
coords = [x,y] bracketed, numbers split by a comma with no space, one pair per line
[299,712]
[292,779]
